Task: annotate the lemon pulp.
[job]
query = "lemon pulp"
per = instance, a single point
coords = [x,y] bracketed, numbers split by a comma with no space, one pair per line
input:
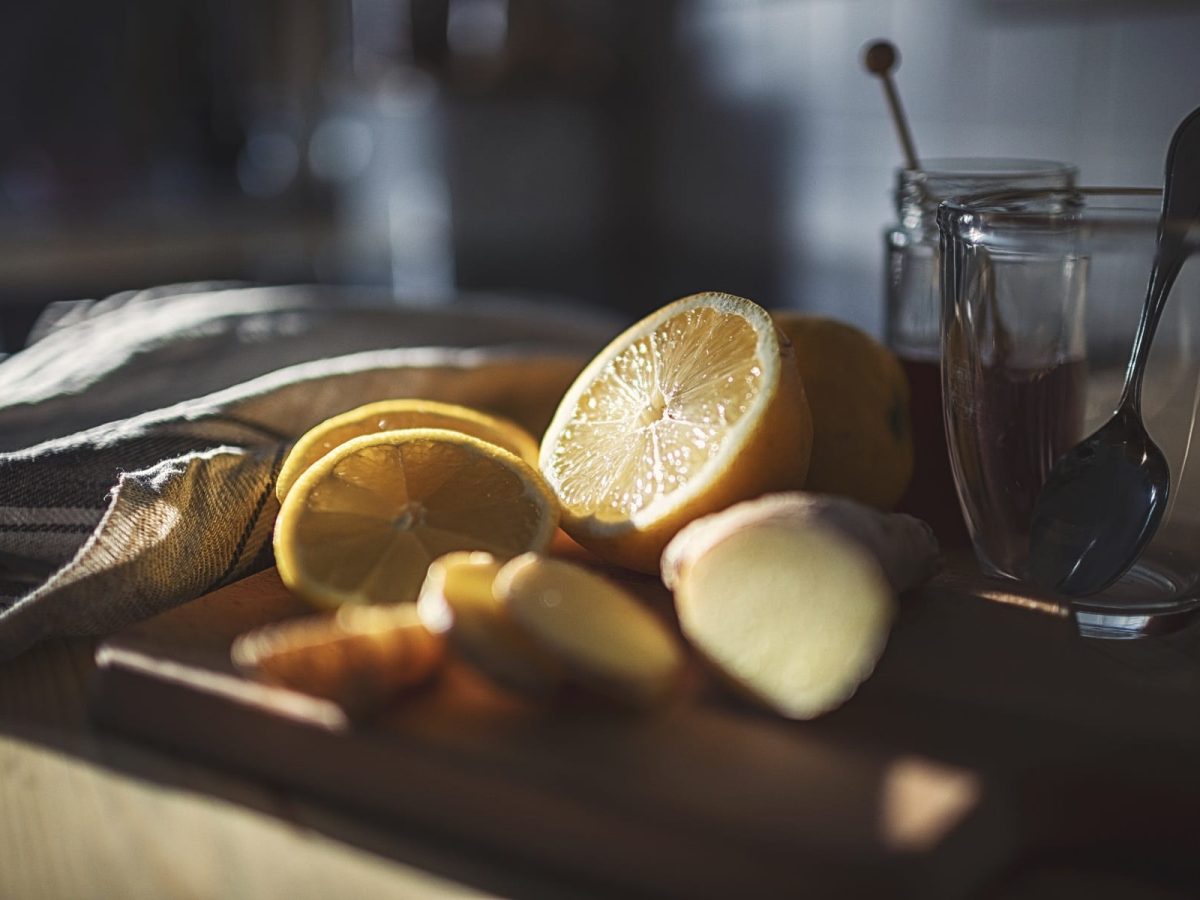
[660,411]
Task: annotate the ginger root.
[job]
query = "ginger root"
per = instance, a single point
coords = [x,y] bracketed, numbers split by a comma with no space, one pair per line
[792,596]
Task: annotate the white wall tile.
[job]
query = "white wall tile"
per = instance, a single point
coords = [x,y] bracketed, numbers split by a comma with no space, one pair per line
[1102,88]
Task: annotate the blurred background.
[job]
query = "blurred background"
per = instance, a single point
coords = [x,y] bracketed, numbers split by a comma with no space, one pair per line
[605,152]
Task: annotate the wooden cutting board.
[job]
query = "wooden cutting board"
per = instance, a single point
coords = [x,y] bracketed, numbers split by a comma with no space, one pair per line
[989,734]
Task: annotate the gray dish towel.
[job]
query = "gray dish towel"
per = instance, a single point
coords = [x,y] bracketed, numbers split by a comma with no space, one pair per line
[140,436]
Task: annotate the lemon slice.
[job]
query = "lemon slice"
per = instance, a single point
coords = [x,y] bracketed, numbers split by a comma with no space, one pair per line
[363,524]
[392,415]
[694,408]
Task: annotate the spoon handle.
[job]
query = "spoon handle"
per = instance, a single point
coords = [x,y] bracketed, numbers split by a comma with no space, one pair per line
[1181,204]
[1168,261]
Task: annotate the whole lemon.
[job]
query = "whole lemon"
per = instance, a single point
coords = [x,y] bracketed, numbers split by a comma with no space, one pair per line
[859,398]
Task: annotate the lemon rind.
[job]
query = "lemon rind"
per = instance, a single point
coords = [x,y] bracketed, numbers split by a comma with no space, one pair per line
[519,436]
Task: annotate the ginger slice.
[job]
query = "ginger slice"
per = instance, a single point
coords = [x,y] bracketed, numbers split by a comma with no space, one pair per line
[359,657]
[603,636]
[456,601]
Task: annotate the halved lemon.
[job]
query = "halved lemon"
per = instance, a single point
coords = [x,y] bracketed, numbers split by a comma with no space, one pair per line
[364,522]
[694,408]
[392,415]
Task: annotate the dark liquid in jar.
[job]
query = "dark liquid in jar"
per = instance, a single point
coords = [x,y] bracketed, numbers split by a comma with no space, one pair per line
[931,494]
[1018,423]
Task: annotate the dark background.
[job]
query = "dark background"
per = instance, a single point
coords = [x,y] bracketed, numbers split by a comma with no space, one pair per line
[599,151]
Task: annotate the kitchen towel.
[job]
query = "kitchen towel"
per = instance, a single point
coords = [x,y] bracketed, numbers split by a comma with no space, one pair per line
[140,436]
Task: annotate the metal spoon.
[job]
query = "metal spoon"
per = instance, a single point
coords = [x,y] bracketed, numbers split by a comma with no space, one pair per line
[1103,499]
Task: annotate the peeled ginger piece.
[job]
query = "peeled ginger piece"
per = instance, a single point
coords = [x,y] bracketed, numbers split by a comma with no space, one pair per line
[792,596]
[456,601]
[359,657]
[603,636]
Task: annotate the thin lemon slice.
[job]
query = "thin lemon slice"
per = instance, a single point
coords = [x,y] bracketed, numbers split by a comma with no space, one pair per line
[694,408]
[392,415]
[363,523]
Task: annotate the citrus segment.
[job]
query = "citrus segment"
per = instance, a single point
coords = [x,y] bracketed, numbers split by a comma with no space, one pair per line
[694,408]
[393,415]
[363,524]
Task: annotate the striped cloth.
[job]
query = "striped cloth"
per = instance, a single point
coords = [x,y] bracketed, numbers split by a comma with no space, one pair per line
[140,437]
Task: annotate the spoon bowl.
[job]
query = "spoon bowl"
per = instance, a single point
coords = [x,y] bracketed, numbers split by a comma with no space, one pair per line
[1098,509]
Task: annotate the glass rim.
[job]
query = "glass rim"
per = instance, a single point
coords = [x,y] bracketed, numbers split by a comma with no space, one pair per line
[987,167]
[987,208]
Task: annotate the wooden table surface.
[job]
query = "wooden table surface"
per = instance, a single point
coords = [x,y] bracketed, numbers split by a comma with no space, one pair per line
[86,814]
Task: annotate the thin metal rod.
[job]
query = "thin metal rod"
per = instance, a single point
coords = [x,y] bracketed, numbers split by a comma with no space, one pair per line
[880,57]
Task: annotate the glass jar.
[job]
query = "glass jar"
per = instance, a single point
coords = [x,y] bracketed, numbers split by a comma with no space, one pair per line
[913,305]
[1044,290]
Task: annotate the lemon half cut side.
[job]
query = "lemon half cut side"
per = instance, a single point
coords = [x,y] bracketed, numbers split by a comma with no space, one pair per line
[696,407]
